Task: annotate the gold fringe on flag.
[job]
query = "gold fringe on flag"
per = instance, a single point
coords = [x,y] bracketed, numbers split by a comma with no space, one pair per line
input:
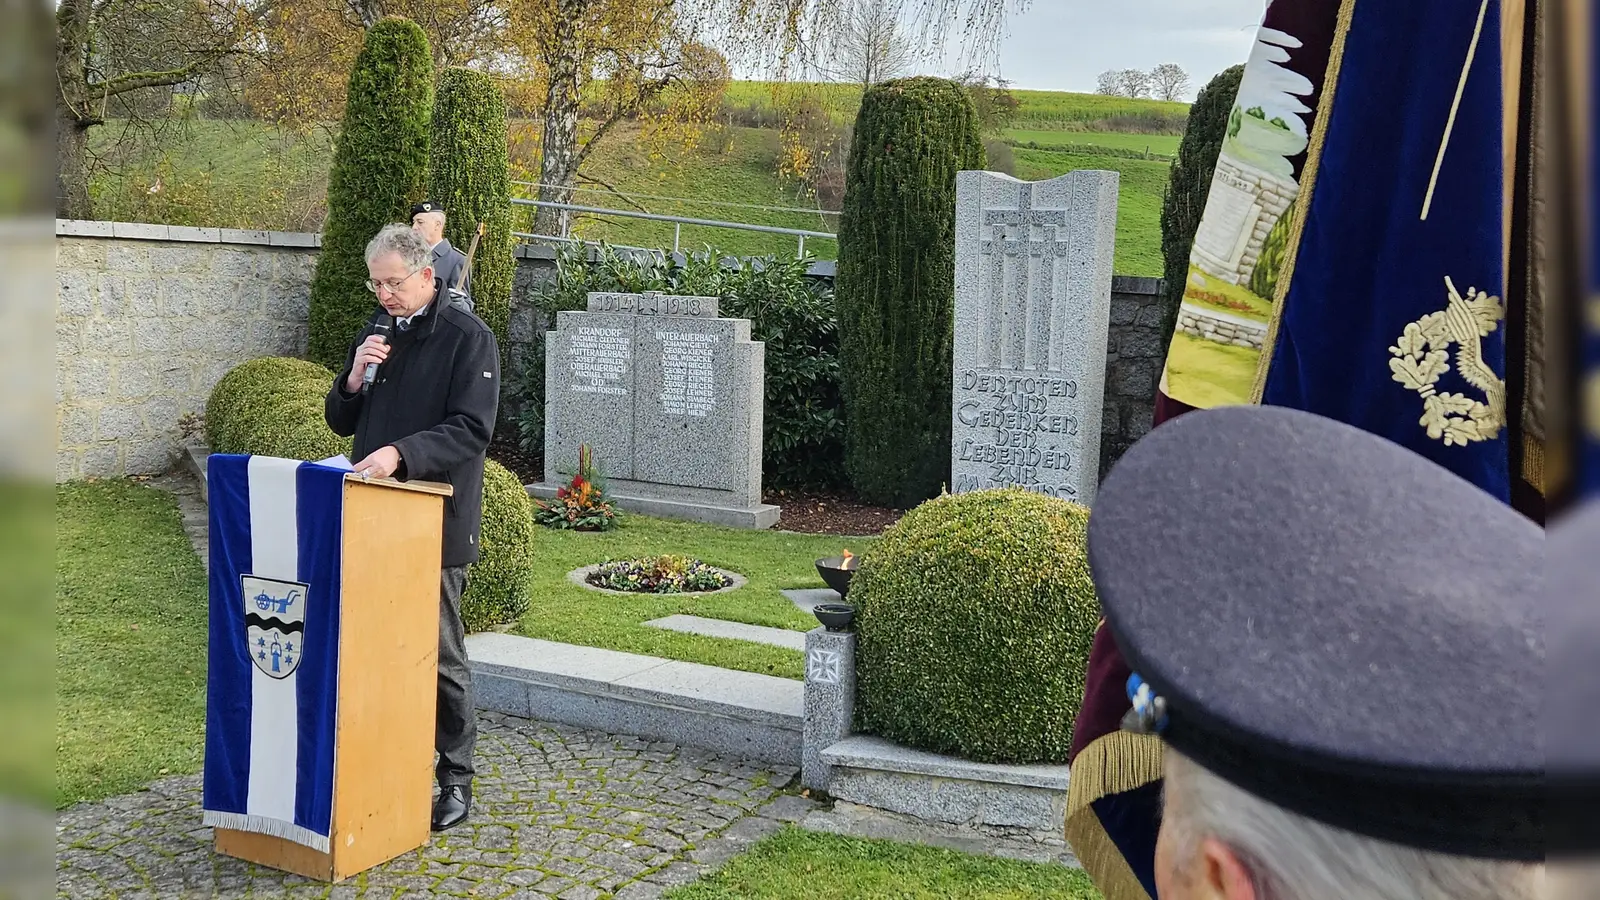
[1117,762]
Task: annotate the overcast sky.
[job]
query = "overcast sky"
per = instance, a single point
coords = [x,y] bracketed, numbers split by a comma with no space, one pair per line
[1062,45]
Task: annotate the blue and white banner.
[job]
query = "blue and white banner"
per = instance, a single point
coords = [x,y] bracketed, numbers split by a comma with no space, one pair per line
[272,688]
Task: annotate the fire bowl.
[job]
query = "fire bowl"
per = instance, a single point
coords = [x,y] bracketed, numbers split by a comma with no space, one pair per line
[834,616]
[834,574]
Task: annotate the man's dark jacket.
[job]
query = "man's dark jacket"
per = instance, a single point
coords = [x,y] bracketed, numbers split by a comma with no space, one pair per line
[435,400]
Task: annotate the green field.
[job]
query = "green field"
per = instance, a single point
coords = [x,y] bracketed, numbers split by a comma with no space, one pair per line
[251,175]
[1155,144]
[730,171]
[1038,110]
[804,865]
[1138,201]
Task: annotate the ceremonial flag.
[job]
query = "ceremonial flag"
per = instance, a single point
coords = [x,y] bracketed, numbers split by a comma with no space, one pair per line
[1350,262]
[274,639]
[1588,464]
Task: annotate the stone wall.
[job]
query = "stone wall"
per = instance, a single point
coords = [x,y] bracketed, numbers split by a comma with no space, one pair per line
[1134,358]
[148,318]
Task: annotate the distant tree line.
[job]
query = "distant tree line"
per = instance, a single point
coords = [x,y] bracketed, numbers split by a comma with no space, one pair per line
[1167,81]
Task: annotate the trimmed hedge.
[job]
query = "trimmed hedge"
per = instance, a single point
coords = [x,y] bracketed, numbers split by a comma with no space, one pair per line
[273,406]
[975,613]
[1189,185]
[498,589]
[468,173]
[895,287]
[378,169]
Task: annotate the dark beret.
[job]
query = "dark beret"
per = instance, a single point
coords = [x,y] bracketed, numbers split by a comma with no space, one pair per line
[427,206]
[1573,601]
[1332,623]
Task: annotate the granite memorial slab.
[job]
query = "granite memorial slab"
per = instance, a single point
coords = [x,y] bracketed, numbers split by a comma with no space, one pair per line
[669,397]
[1033,305]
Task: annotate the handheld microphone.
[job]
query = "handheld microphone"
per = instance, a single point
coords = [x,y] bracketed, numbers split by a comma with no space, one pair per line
[381,327]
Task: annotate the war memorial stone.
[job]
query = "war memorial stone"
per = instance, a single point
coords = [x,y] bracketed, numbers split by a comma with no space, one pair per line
[1033,305]
[669,397]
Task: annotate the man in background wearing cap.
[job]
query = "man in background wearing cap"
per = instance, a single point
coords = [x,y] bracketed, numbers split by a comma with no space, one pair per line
[428,219]
[1341,650]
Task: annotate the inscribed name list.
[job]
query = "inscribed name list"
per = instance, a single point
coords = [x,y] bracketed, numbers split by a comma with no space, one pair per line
[688,373]
[598,359]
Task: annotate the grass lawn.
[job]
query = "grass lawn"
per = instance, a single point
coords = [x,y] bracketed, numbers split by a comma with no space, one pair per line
[130,641]
[801,865]
[1205,373]
[565,612]
[1158,144]
[731,165]
[1138,200]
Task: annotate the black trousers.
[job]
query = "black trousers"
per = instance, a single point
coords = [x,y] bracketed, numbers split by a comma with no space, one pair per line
[456,730]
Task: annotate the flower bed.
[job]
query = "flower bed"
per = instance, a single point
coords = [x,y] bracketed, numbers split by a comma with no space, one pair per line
[658,575]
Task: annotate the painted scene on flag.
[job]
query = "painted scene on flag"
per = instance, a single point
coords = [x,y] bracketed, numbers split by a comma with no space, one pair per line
[1240,246]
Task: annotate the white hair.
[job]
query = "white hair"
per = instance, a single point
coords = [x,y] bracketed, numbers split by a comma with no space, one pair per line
[1291,857]
[404,240]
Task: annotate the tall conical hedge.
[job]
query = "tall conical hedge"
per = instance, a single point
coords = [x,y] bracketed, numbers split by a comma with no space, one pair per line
[378,169]
[895,285]
[467,172]
[1189,184]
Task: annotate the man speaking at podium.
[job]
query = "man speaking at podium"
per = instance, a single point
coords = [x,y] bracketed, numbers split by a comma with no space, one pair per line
[419,392]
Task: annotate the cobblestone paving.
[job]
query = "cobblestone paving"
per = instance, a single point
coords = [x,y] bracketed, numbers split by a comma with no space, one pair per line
[557,812]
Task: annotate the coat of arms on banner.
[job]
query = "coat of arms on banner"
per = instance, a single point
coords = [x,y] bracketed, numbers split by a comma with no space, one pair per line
[274,623]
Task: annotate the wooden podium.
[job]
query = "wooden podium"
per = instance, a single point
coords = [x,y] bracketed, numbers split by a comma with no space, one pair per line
[387,685]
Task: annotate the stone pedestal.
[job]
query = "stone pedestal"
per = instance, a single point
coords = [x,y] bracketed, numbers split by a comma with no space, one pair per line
[830,700]
[1033,305]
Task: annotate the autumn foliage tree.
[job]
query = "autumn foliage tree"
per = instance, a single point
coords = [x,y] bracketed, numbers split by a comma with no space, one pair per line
[378,169]
[117,58]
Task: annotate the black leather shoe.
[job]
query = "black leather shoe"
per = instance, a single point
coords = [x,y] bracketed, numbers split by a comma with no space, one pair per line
[452,806]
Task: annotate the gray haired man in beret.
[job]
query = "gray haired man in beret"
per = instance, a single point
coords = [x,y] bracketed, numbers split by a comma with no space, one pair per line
[1341,649]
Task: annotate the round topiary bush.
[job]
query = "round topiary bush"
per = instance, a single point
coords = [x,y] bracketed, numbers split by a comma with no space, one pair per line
[274,407]
[975,613]
[498,591]
[265,407]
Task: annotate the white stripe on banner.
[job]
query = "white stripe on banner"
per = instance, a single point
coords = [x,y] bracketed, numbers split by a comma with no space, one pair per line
[274,719]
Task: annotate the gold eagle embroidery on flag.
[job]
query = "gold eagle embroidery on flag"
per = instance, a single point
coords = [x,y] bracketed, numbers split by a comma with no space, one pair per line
[1423,356]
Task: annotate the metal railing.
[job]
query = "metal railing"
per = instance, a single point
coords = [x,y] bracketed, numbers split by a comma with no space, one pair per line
[678,222]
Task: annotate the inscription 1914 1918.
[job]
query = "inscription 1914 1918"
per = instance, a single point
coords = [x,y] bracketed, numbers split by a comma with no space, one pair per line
[1013,430]
[653,304]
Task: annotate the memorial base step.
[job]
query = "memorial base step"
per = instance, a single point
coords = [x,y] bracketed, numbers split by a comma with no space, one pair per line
[736,713]
[759,517]
[874,772]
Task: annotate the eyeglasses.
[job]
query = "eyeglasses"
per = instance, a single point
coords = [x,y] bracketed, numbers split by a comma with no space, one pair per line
[393,286]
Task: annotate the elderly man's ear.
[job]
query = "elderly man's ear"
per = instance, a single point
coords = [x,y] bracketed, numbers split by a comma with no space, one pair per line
[1213,872]
[1225,877]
